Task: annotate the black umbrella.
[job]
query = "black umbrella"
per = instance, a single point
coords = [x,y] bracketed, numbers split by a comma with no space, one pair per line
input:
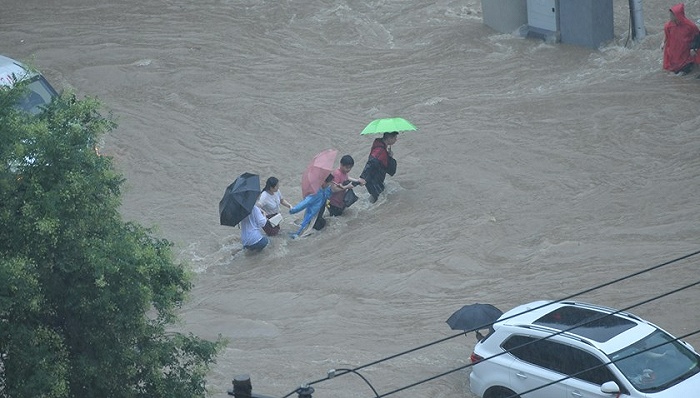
[239,199]
[474,316]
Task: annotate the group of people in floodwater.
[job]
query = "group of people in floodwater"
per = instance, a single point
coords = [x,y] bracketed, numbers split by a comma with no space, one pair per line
[680,55]
[335,194]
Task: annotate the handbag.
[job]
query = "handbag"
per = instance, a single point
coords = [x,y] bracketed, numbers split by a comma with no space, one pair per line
[391,166]
[349,198]
[269,228]
[275,219]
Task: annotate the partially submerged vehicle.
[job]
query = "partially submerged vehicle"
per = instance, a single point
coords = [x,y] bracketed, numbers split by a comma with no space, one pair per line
[39,93]
[37,96]
[551,349]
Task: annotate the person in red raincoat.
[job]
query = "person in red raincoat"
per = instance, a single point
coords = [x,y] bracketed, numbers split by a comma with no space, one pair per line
[679,35]
[380,163]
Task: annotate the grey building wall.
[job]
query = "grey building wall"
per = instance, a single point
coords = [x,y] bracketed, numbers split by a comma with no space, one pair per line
[504,16]
[586,23]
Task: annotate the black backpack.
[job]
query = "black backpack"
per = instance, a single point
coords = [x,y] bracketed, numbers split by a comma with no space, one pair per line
[696,42]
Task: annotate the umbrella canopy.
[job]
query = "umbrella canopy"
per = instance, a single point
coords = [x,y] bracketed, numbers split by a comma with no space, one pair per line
[474,316]
[239,199]
[317,171]
[388,125]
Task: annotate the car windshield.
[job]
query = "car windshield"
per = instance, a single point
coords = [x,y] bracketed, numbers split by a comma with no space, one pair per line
[656,362]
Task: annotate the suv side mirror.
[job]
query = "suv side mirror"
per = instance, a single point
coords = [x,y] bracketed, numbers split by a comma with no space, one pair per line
[610,387]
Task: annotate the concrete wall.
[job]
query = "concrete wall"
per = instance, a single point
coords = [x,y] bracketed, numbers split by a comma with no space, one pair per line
[586,23]
[505,16]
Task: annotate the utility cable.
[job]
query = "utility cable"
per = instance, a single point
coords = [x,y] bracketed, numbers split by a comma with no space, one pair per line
[601,365]
[643,271]
[376,394]
[545,338]
[532,309]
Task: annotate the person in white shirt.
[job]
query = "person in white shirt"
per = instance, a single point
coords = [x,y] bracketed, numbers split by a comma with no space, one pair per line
[270,200]
[251,234]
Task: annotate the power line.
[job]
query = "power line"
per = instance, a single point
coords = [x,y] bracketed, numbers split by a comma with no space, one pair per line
[601,365]
[376,394]
[536,308]
[597,287]
[546,337]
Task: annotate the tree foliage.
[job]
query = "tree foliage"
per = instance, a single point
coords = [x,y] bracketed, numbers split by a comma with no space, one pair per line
[86,298]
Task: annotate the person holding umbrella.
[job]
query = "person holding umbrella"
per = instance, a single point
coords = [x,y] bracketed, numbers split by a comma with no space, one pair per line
[315,205]
[251,230]
[237,206]
[381,160]
[380,163]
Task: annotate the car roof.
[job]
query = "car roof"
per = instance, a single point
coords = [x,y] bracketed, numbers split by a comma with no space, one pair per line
[605,328]
[10,67]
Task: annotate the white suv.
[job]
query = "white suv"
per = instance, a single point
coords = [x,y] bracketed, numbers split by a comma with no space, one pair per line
[598,351]
[40,92]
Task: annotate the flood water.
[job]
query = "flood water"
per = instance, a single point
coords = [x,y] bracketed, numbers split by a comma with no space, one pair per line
[538,170]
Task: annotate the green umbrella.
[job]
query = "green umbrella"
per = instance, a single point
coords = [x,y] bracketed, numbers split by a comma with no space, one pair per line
[388,125]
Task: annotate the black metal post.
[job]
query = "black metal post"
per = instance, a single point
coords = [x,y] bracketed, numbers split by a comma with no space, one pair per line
[242,387]
[305,391]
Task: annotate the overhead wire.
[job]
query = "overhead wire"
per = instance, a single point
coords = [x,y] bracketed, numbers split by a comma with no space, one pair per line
[548,336]
[679,338]
[376,394]
[566,298]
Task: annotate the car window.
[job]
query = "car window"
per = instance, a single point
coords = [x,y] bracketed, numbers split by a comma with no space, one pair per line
[39,94]
[656,362]
[585,366]
[561,358]
[591,324]
[534,351]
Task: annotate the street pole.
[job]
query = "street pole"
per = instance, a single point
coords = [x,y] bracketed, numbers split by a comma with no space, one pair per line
[637,16]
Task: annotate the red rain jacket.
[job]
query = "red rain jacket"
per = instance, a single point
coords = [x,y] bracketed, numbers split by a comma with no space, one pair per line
[678,38]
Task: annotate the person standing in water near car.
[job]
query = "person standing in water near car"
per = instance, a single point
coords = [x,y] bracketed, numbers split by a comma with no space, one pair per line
[380,163]
[269,201]
[343,183]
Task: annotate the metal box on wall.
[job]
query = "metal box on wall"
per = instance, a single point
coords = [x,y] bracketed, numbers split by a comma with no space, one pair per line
[543,19]
[542,14]
[581,22]
[586,23]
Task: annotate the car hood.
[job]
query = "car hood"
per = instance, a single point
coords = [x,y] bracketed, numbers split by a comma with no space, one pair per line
[687,388]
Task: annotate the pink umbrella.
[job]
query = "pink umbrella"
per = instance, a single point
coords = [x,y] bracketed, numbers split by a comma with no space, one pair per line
[316,172]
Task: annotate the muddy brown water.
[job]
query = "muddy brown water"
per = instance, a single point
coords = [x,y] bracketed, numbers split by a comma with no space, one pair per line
[538,170]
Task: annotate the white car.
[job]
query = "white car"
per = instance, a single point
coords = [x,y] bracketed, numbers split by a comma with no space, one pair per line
[40,93]
[598,351]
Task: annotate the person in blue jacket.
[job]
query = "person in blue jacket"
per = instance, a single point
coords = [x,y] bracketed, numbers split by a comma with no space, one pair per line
[315,204]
